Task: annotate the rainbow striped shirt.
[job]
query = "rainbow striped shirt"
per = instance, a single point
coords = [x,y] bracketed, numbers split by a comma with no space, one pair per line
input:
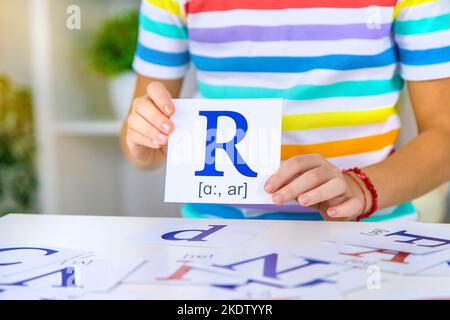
[339,65]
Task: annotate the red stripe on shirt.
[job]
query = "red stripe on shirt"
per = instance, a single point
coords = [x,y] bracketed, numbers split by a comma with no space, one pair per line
[198,6]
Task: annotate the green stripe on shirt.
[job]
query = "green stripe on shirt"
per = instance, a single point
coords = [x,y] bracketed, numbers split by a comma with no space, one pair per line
[400,211]
[426,25]
[163,29]
[304,92]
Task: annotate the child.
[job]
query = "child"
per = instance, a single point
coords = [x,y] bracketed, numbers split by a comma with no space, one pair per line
[339,65]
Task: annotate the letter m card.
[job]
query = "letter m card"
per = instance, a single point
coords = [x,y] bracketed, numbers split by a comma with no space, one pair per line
[222,151]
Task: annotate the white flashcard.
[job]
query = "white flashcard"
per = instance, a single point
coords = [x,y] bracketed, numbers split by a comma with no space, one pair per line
[273,268]
[172,265]
[387,260]
[170,292]
[21,257]
[441,270]
[355,279]
[112,272]
[176,273]
[26,293]
[200,233]
[407,288]
[160,292]
[181,254]
[80,273]
[223,151]
[407,236]
[257,291]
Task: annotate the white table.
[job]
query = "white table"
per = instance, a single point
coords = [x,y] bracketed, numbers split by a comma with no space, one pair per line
[106,237]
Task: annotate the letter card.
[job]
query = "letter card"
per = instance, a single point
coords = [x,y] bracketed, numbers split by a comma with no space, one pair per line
[222,151]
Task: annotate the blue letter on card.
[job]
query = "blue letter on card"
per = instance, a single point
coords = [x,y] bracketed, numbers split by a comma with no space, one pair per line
[47,253]
[229,147]
[171,236]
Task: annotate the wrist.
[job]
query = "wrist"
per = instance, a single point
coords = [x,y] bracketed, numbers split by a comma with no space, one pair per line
[142,157]
[367,189]
[361,192]
[151,160]
[145,158]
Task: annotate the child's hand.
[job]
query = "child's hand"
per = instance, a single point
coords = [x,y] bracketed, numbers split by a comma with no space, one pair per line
[148,122]
[314,182]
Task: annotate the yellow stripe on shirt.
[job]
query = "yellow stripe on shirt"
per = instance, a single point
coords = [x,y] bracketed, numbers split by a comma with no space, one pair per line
[409,3]
[171,6]
[294,122]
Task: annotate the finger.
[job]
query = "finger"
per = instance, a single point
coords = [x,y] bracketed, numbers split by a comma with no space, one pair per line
[337,200]
[348,209]
[136,138]
[153,115]
[304,183]
[137,123]
[327,191]
[290,169]
[162,98]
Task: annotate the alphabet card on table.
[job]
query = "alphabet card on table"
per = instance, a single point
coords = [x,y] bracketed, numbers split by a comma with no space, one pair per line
[315,291]
[173,266]
[356,279]
[222,151]
[173,273]
[16,258]
[81,273]
[388,260]
[54,293]
[407,288]
[199,233]
[441,270]
[406,236]
[274,268]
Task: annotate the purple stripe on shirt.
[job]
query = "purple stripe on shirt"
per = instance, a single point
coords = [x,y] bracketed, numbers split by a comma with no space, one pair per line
[289,33]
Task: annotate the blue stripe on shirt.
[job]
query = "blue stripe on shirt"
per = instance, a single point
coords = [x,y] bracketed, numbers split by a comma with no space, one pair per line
[168,59]
[205,211]
[295,64]
[425,57]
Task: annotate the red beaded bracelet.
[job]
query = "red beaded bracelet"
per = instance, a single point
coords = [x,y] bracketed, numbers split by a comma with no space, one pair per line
[373,192]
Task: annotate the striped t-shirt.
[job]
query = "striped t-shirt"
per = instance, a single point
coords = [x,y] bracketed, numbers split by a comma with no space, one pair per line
[339,65]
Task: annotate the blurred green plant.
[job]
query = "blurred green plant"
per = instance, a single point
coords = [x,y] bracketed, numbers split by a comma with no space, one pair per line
[17,148]
[114,44]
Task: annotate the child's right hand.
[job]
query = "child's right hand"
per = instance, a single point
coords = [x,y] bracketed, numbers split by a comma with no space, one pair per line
[148,123]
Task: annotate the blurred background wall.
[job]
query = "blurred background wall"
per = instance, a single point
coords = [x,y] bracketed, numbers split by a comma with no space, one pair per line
[78,111]
[15,40]
[79,165]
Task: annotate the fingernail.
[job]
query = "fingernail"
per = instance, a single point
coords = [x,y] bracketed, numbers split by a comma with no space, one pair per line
[304,200]
[168,110]
[166,127]
[278,198]
[155,142]
[268,187]
[161,137]
[332,212]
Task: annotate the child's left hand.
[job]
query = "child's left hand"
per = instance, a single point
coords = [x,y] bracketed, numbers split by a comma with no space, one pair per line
[315,182]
